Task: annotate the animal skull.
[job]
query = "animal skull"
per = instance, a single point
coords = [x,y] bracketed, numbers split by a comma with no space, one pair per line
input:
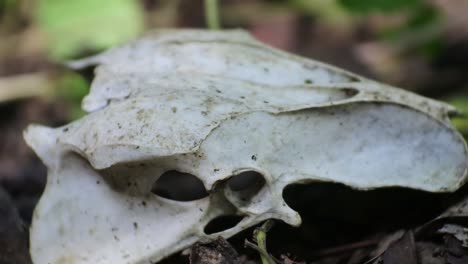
[217,105]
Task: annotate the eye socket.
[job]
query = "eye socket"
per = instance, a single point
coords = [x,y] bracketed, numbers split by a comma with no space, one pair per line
[179,186]
[222,223]
[244,186]
[246,181]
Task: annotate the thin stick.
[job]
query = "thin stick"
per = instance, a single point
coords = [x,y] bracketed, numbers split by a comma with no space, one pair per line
[266,258]
[260,237]
[25,85]
[212,14]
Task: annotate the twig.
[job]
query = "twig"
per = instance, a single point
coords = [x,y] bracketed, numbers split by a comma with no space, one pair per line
[24,86]
[212,14]
[266,258]
[260,238]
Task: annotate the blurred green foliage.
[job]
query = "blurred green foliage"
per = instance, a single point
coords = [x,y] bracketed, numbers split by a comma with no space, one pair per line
[367,6]
[87,25]
[460,101]
[328,11]
[420,33]
[6,4]
[72,87]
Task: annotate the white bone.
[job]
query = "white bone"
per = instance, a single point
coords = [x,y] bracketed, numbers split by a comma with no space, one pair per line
[215,104]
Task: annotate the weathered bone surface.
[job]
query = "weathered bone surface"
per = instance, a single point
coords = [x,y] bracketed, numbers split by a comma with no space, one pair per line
[216,104]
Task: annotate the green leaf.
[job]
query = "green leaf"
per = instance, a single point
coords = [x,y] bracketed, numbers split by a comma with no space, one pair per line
[71,88]
[75,26]
[366,6]
[327,11]
[460,101]
[420,34]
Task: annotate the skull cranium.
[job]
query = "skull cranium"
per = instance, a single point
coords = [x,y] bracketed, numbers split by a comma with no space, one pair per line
[228,110]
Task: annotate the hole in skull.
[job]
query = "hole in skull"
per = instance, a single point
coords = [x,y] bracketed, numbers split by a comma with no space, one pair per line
[247,180]
[335,214]
[246,184]
[222,223]
[179,186]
